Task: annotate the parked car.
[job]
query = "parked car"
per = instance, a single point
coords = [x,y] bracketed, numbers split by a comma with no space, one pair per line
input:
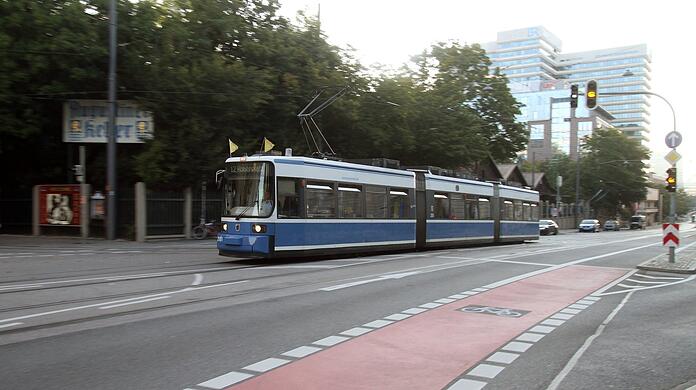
[589,225]
[612,224]
[547,226]
[638,222]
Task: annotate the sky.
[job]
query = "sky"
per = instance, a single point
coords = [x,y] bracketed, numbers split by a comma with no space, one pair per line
[389,32]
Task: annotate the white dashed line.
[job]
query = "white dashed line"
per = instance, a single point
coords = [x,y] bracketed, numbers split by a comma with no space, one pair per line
[591,298]
[357,331]
[503,357]
[467,384]
[266,365]
[445,300]
[542,329]
[225,380]
[430,305]
[378,323]
[480,289]
[576,306]
[516,346]
[301,352]
[570,311]
[533,337]
[11,324]
[458,296]
[486,370]
[552,322]
[330,341]
[469,292]
[133,302]
[397,317]
[585,302]
[561,316]
[414,310]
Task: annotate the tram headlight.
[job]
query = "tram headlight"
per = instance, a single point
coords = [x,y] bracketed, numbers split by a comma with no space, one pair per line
[256,228]
[224,227]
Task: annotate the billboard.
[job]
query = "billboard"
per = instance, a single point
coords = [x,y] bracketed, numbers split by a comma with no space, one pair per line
[86,121]
[59,205]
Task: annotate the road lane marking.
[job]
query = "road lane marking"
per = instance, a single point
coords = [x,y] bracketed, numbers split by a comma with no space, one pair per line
[361,282]
[561,316]
[225,380]
[397,317]
[414,310]
[357,331]
[542,329]
[467,384]
[528,336]
[188,289]
[133,302]
[197,279]
[656,277]
[301,352]
[552,322]
[266,365]
[518,346]
[331,340]
[641,288]
[576,357]
[9,325]
[486,370]
[430,305]
[503,357]
[378,323]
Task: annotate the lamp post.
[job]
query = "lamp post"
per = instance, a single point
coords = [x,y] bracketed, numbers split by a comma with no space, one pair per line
[672,200]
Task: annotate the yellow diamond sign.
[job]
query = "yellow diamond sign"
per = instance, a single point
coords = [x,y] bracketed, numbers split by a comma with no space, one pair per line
[672,157]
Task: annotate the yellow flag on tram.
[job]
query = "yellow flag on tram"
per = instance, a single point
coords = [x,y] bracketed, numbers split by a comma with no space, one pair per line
[267,145]
[233,146]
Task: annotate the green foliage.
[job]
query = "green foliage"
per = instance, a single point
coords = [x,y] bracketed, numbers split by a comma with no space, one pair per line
[211,70]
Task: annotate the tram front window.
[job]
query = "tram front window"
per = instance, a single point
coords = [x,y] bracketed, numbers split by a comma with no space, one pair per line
[249,189]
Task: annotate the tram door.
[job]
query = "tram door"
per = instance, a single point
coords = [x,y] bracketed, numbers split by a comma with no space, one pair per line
[421,210]
[495,212]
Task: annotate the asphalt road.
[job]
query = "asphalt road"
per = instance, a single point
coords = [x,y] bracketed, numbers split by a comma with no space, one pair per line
[566,312]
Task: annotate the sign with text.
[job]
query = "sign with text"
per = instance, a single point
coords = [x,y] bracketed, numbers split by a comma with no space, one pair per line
[88,121]
[670,234]
[59,205]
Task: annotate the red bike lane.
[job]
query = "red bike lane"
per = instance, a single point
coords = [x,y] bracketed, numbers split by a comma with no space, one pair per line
[431,349]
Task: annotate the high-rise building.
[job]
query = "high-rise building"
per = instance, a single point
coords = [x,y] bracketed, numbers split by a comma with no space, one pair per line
[531,59]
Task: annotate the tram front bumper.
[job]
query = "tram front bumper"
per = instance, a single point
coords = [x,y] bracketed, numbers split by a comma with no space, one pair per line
[234,244]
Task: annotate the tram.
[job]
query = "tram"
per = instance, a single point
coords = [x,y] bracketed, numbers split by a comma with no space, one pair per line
[292,206]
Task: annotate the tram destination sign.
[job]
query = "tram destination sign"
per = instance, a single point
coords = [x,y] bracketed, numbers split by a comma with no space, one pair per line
[87,121]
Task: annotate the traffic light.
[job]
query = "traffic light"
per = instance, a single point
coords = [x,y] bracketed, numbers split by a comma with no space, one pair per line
[591,94]
[574,96]
[671,180]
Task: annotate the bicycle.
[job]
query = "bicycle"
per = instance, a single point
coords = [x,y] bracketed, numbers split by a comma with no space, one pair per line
[204,229]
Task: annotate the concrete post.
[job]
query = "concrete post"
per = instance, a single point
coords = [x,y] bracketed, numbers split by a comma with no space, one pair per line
[140,212]
[188,212]
[85,190]
[35,228]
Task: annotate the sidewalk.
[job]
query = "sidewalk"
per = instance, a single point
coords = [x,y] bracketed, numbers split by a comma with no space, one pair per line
[27,241]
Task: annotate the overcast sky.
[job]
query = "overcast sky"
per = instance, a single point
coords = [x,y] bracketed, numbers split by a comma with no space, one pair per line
[390,31]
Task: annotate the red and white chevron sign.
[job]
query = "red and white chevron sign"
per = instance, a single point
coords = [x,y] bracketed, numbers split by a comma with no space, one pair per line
[670,234]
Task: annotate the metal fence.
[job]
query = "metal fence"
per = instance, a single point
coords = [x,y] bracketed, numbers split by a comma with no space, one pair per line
[165,213]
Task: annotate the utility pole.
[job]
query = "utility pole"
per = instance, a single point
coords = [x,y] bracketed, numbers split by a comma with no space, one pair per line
[111,139]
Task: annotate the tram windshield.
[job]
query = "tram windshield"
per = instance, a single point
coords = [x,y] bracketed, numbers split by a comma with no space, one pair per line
[249,189]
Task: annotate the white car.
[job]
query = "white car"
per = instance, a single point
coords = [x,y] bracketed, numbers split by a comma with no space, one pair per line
[589,225]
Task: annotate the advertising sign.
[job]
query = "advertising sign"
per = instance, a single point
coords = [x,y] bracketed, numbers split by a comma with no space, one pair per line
[88,121]
[59,205]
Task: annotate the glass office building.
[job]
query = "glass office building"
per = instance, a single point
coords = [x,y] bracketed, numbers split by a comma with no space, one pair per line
[532,60]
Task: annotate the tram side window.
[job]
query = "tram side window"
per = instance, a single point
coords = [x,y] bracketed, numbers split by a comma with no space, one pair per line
[526,212]
[507,210]
[459,207]
[535,212]
[484,208]
[519,212]
[440,206]
[288,197]
[399,203]
[350,201]
[376,202]
[472,206]
[320,199]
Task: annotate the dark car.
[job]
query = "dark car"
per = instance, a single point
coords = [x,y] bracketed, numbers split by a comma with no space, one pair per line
[612,224]
[589,225]
[547,226]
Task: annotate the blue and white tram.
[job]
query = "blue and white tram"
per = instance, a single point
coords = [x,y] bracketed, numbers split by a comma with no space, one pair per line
[277,206]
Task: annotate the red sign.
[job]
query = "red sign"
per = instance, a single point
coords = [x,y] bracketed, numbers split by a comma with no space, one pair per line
[59,205]
[670,234]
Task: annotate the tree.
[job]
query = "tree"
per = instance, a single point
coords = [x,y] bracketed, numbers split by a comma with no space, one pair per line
[613,170]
